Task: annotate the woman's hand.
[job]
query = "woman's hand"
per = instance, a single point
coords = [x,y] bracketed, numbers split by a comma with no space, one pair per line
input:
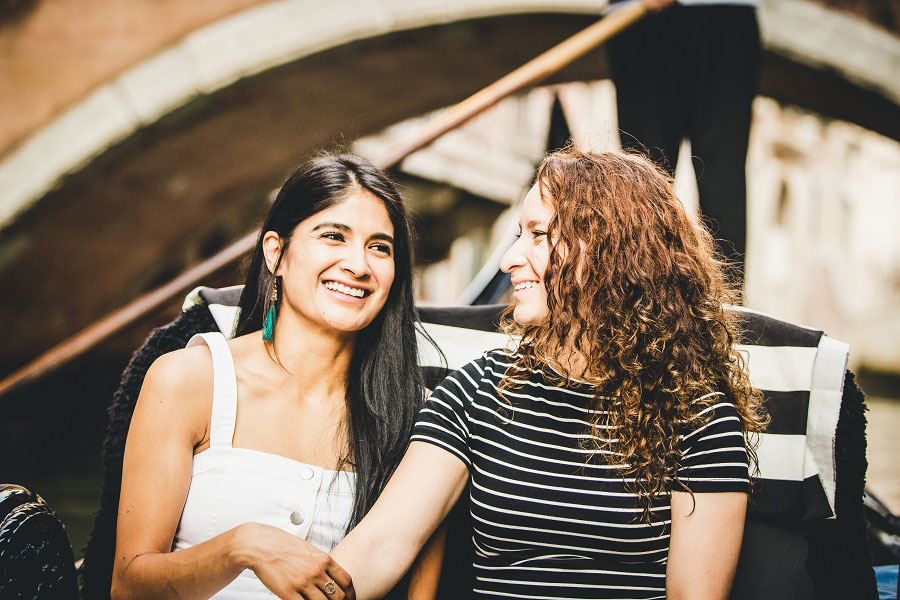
[288,565]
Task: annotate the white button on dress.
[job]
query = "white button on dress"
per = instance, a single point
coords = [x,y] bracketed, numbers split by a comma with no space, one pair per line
[231,486]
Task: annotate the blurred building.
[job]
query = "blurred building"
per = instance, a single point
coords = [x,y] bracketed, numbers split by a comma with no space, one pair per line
[138,138]
[824,206]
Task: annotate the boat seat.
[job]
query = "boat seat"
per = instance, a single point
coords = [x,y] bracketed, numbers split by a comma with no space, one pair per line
[35,556]
[805,533]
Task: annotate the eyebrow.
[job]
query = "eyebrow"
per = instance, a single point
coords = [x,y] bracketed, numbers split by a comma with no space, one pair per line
[347,229]
[532,223]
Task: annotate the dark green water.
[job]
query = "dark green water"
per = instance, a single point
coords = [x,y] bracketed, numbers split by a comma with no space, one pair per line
[72,489]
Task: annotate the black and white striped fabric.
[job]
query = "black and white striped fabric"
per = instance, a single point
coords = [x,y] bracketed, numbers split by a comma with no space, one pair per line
[551,517]
[799,370]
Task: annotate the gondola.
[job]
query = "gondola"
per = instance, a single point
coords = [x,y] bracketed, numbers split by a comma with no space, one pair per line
[811,533]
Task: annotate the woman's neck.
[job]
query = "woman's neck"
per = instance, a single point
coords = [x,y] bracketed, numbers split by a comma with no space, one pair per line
[313,358]
[568,360]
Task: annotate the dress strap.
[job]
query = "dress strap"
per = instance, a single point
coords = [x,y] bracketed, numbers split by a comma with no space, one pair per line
[224,404]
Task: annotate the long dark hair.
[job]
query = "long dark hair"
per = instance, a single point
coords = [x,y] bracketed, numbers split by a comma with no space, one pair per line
[384,386]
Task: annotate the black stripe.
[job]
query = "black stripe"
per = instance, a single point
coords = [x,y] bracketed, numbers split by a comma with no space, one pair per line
[481,318]
[434,376]
[788,501]
[787,410]
[763,330]
[225,297]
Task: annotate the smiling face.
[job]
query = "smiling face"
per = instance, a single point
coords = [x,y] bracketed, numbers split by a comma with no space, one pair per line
[526,261]
[338,269]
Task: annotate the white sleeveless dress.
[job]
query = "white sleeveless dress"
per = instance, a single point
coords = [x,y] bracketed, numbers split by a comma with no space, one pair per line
[231,486]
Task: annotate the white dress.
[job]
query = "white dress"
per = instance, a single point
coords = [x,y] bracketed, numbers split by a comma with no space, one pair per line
[231,486]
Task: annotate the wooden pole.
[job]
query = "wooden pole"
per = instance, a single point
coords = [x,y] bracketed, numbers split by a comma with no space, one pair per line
[531,72]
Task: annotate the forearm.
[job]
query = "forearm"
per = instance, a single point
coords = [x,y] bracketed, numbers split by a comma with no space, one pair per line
[375,562]
[415,501]
[425,574]
[193,573]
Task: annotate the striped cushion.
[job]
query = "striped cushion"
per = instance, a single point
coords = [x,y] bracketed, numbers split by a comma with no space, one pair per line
[799,370]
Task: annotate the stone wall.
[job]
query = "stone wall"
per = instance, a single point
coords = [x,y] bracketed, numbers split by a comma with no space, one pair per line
[823,195]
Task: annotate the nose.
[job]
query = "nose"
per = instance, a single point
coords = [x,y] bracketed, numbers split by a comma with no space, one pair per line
[513,257]
[355,262]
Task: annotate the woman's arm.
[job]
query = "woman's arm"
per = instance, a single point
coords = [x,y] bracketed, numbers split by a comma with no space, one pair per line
[418,497]
[706,541]
[425,574]
[171,418]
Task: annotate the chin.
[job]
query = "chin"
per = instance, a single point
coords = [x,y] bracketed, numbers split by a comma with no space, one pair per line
[523,316]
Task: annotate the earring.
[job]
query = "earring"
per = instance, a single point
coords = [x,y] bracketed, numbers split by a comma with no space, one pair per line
[271,314]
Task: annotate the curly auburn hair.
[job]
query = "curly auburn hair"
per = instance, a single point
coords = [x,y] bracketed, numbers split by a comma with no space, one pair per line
[634,288]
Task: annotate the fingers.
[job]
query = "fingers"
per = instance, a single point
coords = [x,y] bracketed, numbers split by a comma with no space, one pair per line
[324,589]
[331,590]
[342,579]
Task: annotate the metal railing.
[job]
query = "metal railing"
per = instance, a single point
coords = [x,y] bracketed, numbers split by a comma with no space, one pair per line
[531,72]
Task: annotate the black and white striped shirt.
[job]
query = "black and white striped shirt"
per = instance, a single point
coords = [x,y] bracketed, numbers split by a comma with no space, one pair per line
[551,517]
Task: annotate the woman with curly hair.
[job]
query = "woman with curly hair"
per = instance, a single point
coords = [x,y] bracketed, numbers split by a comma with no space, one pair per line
[609,453]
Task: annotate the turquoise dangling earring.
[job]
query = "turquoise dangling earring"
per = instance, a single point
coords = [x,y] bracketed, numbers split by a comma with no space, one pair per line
[271,314]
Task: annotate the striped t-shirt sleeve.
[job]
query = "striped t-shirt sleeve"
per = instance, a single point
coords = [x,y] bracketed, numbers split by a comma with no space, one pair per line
[714,458]
[442,420]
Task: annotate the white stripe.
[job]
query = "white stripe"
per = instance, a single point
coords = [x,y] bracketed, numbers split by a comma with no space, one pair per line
[525,561]
[527,442]
[533,383]
[711,423]
[713,466]
[533,596]
[779,368]
[561,532]
[588,478]
[225,317]
[440,443]
[516,409]
[453,427]
[568,489]
[459,414]
[781,457]
[712,451]
[540,371]
[459,345]
[579,548]
[824,410]
[713,436]
[537,459]
[577,585]
[587,507]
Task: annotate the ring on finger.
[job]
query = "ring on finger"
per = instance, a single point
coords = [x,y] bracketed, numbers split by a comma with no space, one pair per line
[330,588]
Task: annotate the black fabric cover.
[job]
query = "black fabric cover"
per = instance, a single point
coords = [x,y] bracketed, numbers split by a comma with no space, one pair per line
[36,561]
[96,570]
[781,557]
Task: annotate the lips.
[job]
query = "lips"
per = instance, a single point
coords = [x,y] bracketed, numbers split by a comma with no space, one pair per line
[348,290]
[524,285]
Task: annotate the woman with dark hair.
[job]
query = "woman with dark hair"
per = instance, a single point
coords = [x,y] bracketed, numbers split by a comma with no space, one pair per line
[248,460]
[609,452]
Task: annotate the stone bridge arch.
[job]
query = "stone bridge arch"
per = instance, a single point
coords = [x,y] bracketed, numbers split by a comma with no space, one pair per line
[117,189]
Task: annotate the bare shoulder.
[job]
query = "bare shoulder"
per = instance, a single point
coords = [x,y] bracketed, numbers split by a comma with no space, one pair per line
[187,370]
[178,387]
